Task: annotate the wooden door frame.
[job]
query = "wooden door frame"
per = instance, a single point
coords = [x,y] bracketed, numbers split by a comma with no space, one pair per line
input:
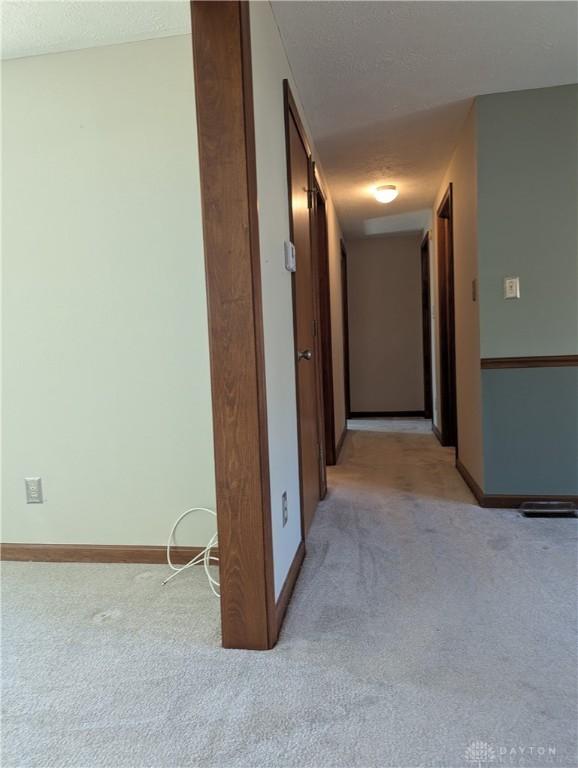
[446,323]
[291,111]
[345,320]
[250,617]
[426,326]
[325,330]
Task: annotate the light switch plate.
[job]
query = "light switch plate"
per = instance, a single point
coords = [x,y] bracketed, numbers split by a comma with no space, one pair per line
[511,287]
[290,257]
[34,490]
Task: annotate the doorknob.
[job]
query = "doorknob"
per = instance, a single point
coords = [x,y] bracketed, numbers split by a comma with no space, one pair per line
[305,355]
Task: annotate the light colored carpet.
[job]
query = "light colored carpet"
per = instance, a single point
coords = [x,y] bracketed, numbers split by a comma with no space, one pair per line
[420,624]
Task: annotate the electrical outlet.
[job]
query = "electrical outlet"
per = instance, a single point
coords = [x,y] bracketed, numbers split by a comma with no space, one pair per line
[285,508]
[34,490]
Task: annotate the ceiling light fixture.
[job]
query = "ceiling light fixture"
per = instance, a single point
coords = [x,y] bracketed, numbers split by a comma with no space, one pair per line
[386,193]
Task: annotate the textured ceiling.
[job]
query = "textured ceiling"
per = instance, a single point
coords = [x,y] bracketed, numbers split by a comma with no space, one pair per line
[32,28]
[386,85]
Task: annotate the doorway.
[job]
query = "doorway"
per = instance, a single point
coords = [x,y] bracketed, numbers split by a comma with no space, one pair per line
[345,316]
[426,327]
[320,240]
[301,186]
[447,336]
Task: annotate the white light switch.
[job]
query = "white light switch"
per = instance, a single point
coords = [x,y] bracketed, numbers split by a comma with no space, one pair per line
[290,260]
[34,490]
[511,287]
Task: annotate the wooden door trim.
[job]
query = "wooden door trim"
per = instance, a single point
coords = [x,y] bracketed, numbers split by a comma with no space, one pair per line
[226,138]
[325,331]
[345,320]
[291,105]
[426,326]
[288,106]
[318,335]
[446,325]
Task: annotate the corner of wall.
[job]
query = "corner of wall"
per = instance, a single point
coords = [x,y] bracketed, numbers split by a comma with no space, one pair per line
[462,174]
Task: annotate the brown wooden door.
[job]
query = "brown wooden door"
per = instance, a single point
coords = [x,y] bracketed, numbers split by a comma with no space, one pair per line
[312,464]
[446,313]
[426,329]
[345,321]
[327,417]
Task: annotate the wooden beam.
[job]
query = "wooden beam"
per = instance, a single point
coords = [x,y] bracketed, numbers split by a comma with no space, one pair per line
[224,97]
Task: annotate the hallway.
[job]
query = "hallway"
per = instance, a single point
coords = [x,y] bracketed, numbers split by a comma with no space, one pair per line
[420,624]
[446,623]
[265,261]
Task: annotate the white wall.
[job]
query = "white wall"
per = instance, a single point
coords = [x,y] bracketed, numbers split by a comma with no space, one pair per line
[385,323]
[106,368]
[270,67]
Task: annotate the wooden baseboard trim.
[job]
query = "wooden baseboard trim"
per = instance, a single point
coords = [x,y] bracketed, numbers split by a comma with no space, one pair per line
[385,414]
[340,442]
[504,501]
[497,501]
[470,482]
[96,553]
[289,586]
[546,361]
[437,433]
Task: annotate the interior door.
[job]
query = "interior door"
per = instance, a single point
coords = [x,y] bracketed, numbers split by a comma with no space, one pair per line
[323,337]
[312,463]
[426,328]
[446,314]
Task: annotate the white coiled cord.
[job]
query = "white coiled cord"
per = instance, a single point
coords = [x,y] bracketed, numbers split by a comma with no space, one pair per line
[205,557]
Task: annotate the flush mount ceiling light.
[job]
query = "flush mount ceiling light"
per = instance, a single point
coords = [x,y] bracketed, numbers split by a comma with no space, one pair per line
[386,193]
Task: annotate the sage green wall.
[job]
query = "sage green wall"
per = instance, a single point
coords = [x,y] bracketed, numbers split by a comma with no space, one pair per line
[528,227]
[531,431]
[528,221]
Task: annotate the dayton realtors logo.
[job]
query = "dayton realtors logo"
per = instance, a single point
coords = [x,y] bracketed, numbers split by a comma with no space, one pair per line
[481,755]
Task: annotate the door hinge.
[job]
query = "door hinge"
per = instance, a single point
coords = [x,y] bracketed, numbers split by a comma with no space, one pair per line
[309,199]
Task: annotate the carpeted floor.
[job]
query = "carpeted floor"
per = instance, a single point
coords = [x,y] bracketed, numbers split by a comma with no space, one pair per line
[420,625]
